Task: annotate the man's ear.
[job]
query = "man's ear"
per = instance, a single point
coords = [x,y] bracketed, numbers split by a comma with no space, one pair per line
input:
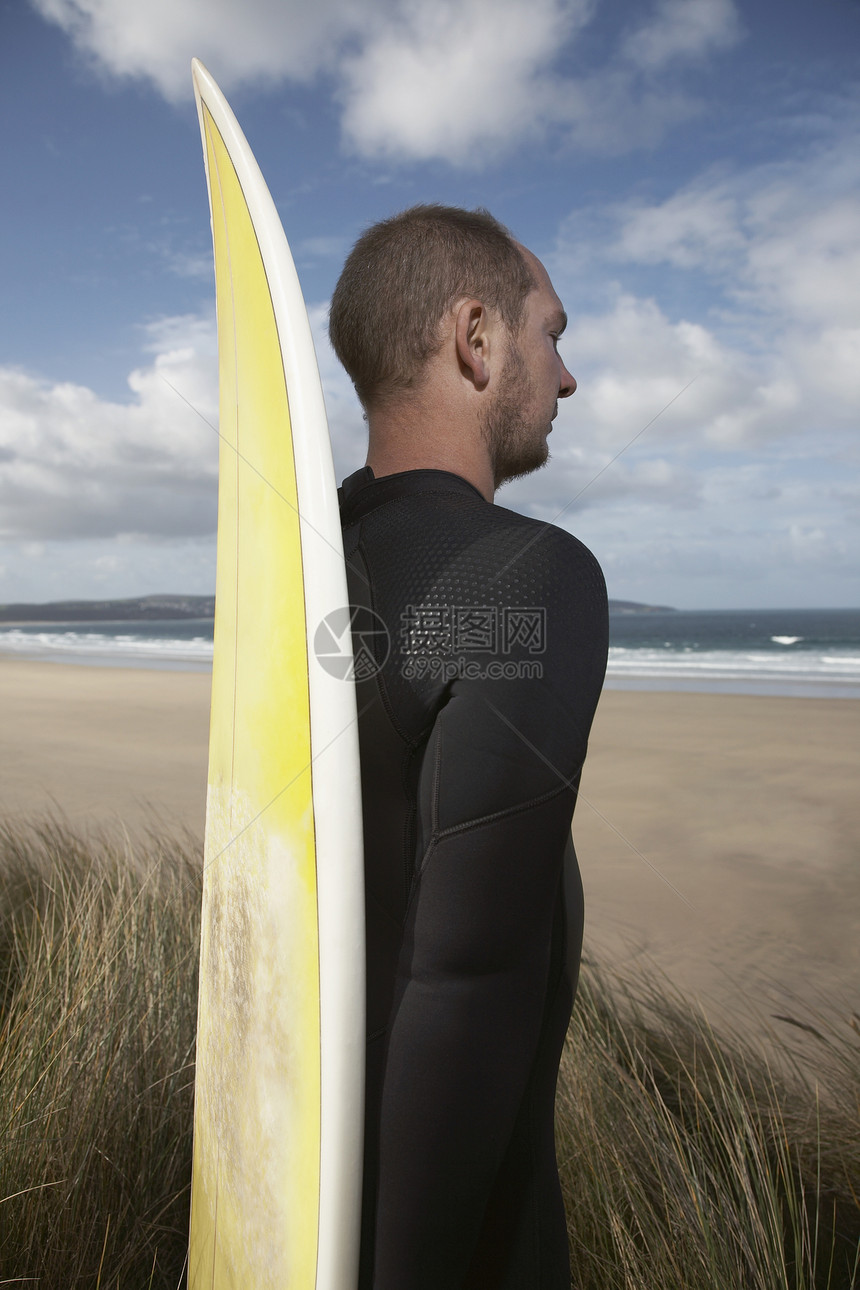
[474,335]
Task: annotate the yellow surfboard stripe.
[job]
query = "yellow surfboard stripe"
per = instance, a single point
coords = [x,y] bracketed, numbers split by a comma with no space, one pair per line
[255,1189]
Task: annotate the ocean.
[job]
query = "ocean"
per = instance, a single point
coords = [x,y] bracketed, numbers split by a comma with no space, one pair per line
[806,652]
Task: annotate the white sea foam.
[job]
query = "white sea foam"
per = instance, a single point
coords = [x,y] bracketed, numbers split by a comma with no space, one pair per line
[777,670]
[807,666]
[130,647]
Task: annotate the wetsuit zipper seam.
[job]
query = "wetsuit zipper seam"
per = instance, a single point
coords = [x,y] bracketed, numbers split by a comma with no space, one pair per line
[437,835]
[437,776]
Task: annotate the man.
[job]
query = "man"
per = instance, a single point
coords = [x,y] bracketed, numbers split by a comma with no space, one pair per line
[473,731]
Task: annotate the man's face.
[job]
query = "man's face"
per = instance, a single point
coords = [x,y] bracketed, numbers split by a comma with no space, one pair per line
[532,381]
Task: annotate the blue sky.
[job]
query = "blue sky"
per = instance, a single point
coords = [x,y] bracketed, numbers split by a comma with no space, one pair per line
[688,170]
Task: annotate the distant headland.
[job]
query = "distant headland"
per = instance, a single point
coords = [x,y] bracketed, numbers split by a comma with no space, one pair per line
[161,608]
[634,607]
[138,609]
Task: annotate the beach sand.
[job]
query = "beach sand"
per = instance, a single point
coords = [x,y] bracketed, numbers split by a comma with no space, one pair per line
[749,812]
[718,835]
[103,745]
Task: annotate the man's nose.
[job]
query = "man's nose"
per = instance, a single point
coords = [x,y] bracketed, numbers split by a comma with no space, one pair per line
[568,383]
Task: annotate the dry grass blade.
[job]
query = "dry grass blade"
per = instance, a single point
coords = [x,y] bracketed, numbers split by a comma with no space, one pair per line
[98,981]
[700,1161]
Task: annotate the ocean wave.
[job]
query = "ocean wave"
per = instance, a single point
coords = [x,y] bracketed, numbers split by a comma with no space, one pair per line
[127,645]
[685,663]
[726,665]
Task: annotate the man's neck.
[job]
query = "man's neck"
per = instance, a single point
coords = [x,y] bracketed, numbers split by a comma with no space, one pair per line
[399,441]
[395,464]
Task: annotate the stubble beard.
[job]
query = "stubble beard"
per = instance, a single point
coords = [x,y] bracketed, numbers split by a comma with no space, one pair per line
[516,448]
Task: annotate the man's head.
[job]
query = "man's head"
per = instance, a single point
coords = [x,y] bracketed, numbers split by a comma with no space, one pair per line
[402,277]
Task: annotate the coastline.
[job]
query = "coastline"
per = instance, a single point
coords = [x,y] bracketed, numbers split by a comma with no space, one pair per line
[762,688]
[796,653]
[717,834]
[658,683]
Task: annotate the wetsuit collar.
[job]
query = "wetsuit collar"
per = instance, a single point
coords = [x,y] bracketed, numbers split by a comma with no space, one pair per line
[362,492]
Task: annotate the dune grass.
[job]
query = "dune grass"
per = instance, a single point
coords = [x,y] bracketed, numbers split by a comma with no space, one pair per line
[691,1160]
[98,982]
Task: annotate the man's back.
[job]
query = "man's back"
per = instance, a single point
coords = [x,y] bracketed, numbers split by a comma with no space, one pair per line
[473,733]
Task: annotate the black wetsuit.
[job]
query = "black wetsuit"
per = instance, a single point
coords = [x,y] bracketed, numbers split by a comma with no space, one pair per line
[473,735]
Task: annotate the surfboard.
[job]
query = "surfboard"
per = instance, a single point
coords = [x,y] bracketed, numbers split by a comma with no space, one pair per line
[276,1183]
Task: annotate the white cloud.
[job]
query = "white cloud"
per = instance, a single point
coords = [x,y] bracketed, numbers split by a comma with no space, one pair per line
[832,362]
[757,533]
[735,493]
[803,253]
[776,353]
[742,491]
[634,364]
[254,41]
[87,568]
[459,80]
[75,466]
[782,238]
[451,79]
[696,227]
[682,30]
[346,423]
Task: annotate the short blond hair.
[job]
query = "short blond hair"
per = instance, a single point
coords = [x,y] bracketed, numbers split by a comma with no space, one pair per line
[403,275]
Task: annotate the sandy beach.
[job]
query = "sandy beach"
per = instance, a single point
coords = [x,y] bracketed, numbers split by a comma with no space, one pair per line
[718,835]
[104,746]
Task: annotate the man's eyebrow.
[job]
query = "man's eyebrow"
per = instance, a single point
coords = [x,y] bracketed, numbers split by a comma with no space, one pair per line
[558,321]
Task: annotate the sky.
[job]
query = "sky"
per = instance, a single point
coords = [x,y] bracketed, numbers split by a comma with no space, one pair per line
[688,171]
